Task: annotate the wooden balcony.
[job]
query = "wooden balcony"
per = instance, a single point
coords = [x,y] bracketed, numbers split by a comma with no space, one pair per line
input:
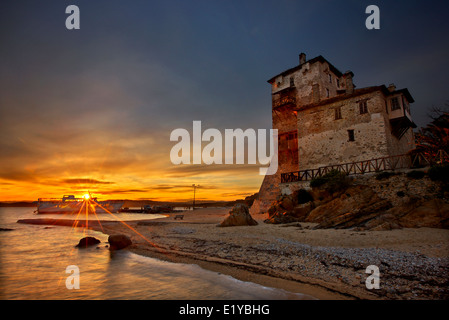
[404,161]
[400,122]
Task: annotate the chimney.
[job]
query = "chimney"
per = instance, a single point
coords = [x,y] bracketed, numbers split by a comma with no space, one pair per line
[302,58]
[392,87]
[348,82]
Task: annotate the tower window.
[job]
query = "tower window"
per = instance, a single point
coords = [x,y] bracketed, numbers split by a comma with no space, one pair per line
[330,78]
[363,105]
[338,113]
[395,104]
[351,135]
[328,93]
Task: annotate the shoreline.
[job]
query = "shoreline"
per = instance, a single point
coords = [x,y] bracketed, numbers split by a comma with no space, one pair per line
[326,264]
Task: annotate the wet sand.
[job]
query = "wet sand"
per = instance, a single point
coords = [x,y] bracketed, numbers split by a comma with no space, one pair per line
[323,263]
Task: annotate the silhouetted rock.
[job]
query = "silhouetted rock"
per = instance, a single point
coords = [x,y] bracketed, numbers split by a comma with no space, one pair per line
[119,241]
[87,241]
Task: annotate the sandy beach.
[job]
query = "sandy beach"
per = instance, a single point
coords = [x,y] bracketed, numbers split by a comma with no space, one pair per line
[322,263]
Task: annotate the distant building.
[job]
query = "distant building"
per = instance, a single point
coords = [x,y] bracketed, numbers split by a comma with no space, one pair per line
[322,119]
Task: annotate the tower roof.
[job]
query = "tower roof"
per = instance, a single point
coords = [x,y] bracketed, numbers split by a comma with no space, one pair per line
[312,61]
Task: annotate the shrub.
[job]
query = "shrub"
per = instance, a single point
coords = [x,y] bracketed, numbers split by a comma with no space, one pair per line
[333,181]
[415,174]
[317,182]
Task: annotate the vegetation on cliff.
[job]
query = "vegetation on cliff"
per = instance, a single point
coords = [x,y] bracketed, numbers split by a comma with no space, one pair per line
[435,136]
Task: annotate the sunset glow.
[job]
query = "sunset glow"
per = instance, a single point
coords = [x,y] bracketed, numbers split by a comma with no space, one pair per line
[225,183]
[92,109]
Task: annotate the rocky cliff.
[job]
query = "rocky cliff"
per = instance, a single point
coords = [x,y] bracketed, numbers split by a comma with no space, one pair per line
[378,202]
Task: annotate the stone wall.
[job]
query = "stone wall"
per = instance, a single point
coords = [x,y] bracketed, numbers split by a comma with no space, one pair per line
[311,82]
[324,141]
[399,146]
[284,120]
[268,193]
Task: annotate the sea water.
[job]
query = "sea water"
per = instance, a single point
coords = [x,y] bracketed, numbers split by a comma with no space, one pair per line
[34,259]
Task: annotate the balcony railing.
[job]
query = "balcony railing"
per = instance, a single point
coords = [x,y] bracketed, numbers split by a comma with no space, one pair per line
[404,161]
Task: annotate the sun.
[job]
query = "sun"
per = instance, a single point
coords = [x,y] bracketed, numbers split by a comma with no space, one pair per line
[86,196]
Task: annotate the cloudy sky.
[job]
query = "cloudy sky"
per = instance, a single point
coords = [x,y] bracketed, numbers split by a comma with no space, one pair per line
[93,109]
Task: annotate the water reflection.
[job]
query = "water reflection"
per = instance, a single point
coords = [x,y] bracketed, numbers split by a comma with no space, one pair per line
[34,259]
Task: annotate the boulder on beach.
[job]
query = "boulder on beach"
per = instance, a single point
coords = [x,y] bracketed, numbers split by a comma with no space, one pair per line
[238,216]
[119,241]
[87,241]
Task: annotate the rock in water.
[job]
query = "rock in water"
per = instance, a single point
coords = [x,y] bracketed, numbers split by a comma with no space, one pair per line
[238,216]
[119,241]
[87,241]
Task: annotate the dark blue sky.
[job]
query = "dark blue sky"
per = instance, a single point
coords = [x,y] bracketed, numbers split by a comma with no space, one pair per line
[140,69]
[209,60]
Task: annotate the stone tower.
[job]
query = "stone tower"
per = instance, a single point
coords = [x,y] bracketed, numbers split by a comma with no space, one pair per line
[323,119]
